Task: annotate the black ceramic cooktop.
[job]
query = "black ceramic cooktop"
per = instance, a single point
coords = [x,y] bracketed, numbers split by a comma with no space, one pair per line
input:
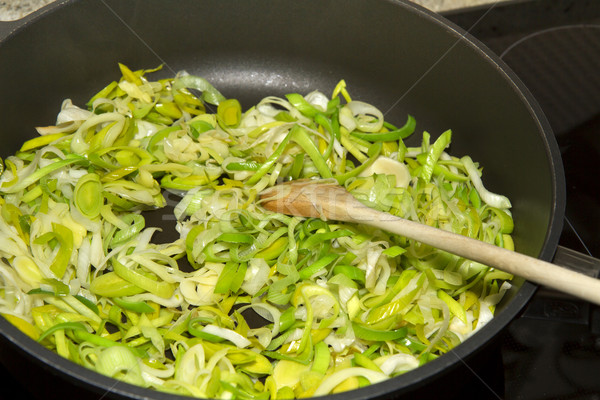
[553,350]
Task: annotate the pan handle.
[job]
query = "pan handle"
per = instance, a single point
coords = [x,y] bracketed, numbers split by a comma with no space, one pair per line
[576,261]
[551,305]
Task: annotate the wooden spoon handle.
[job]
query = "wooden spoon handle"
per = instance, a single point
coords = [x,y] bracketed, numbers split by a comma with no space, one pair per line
[530,268]
[330,201]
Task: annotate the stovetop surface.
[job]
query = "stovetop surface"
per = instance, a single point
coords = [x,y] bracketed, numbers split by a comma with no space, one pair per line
[553,350]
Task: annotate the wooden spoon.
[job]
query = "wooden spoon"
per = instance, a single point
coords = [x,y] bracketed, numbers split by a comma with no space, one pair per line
[327,200]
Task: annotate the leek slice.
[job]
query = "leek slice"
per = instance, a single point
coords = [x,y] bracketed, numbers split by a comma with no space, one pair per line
[88,195]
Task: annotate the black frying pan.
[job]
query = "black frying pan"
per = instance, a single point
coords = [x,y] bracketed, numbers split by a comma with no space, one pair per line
[393,54]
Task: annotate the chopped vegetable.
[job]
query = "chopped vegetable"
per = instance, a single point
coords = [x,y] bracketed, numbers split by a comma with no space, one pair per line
[245,303]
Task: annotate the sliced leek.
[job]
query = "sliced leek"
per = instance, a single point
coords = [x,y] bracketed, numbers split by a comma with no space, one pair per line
[268,306]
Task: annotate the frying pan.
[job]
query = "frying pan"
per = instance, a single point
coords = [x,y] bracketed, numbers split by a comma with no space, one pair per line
[394,54]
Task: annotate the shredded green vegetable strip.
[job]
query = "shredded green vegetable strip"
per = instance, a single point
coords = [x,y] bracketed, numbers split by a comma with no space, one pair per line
[343,305]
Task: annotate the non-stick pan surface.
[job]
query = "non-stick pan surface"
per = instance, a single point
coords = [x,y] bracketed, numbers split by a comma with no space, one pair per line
[393,54]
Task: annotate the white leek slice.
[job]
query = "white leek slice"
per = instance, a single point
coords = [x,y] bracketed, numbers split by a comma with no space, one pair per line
[400,362]
[389,166]
[27,270]
[338,377]
[70,113]
[192,363]
[119,361]
[361,115]
[227,334]
[493,199]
